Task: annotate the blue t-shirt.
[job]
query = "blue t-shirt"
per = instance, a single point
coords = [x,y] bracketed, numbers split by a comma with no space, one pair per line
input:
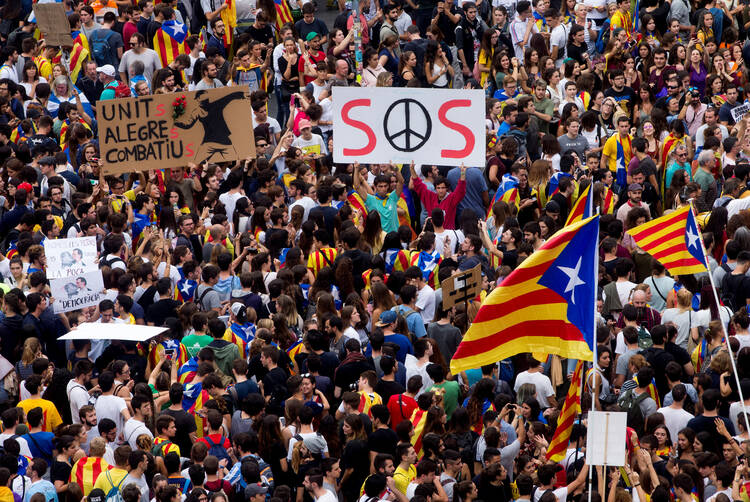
[40,444]
[404,346]
[476,185]
[387,208]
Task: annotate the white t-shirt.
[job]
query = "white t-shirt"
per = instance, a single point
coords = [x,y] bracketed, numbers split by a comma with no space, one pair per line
[111,407]
[230,200]
[78,397]
[541,382]
[174,272]
[593,13]
[306,202]
[327,497]
[313,145]
[455,236]
[559,38]
[412,368]
[735,413]
[132,429]
[426,303]
[560,493]
[21,442]
[675,420]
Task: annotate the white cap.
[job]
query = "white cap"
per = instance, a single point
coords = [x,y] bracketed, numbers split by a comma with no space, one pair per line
[107,69]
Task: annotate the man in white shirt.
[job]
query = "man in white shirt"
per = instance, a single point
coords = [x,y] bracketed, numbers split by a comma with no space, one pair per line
[76,388]
[313,483]
[521,28]
[10,421]
[425,294]
[312,145]
[9,56]
[545,393]
[136,425]
[558,39]
[260,116]
[110,406]
[675,416]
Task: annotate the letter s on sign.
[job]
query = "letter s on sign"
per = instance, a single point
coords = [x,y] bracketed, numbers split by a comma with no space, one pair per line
[463,130]
[371,139]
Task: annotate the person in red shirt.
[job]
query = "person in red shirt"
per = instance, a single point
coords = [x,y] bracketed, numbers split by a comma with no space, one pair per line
[311,55]
[401,406]
[214,480]
[215,436]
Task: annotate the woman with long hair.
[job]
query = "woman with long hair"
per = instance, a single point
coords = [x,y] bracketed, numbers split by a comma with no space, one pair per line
[382,300]
[486,55]
[407,67]
[705,29]
[678,57]
[551,150]
[355,459]
[438,71]
[649,34]
[271,448]
[714,91]
[644,105]
[478,402]
[685,444]
[533,67]
[31,78]
[644,60]
[698,71]
[373,234]
[62,465]
[372,69]
[597,381]
[682,317]
[32,349]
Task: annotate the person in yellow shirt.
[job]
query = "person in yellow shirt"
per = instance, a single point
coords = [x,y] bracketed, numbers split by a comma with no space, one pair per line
[406,471]
[113,477]
[618,151]
[323,255]
[51,417]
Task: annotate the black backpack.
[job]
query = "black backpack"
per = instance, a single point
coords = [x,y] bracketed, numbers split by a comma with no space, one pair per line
[729,286]
[631,404]
[111,261]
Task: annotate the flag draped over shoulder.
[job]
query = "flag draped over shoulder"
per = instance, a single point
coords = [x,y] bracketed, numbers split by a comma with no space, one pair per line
[545,305]
[571,408]
[609,201]
[418,419]
[169,41]
[583,207]
[229,16]
[674,241]
[506,192]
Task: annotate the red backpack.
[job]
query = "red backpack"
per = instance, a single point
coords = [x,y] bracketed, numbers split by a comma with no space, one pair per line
[121,89]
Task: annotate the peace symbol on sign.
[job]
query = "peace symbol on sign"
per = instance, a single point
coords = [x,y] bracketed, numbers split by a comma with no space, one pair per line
[412,139]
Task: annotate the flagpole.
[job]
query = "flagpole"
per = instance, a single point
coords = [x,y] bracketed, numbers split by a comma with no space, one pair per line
[726,335]
[593,332]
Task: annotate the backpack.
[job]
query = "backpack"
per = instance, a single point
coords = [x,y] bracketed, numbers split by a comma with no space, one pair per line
[201,297]
[111,261]
[158,450]
[114,494]
[121,89]
[100,48]
[217,450]
[631,404]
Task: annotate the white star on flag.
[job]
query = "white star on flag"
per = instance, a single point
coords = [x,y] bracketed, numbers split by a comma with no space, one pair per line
[574,279]
[692,238]
[186,288]
[178,28]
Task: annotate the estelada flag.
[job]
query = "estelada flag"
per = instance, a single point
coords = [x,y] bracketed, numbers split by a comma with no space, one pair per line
[674,241]
[506,192]
[283,14]
[169,41]
[571,408]
[546,305]
[583,207]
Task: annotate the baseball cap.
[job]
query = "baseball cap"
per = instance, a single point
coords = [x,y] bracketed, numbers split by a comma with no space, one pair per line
[48,161]
[387,317]
[96,495]
[634,186]
[304,124]
[236,308]
[107,69]
[25,186]
[311,35]
[255,489]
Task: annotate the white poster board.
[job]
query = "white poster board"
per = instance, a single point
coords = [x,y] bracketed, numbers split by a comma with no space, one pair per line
[606,438]
[73,273]
[113,331]
[739,111]
[400,125]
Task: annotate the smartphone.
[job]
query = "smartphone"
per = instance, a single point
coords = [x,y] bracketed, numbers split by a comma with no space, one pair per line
[296,102]
[169,353]
[94,182]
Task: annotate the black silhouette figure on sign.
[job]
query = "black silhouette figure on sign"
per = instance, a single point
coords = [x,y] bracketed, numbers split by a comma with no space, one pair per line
[412,140]
[217,144]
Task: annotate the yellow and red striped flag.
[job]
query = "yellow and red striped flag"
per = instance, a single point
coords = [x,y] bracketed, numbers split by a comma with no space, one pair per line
[674,240]
[86,470]
[545,305]
[583,207]
[283,14]
[229,16]
[322,258]
[418,419]
[169,41]
[571,408]
[609,201]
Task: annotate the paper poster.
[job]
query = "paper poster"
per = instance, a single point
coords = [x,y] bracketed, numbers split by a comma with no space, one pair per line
[53,23]
[606,438]
[427,126]
[739,111]
[170,130]
[73,272]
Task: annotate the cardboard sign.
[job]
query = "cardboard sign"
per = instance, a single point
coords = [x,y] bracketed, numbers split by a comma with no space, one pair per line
[461,286]
[606,438]
[73,272]
[53,23]
[427,126]
[139,134]
[739,111]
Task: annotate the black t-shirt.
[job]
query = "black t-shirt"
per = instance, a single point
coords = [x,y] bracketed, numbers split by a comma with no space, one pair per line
[147,298]
[328,362]
[274,385]
[185,424]
[625,98]
[357,456]
[348,373]
[740,285]
[658,358]
[575,52]
[60,471]
[383,441]
[160,310]
[446,26]
[702,423]
[387,388]
[317,26]
[264,36]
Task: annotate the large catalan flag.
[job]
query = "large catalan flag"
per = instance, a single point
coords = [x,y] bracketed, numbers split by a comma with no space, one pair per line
[229,16]
[545,305]
[187,370]
[78,56]
[609,201]
[674,240]
[193,399]
[241,335]
[583,207]
[86,470]
[169,41]
[571,408]
[429,264]
[418,419]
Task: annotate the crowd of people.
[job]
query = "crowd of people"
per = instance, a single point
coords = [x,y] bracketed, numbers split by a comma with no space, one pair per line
[307,347]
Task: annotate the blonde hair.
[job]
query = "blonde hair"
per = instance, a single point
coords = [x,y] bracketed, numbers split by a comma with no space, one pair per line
[31,347]
[297,455]
[684,298]
[97,447]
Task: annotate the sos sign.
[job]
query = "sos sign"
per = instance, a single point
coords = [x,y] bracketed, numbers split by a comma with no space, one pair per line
[427,126]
